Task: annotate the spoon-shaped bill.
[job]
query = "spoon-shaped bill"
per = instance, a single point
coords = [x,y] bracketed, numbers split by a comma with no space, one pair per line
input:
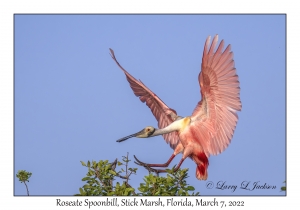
[130,136]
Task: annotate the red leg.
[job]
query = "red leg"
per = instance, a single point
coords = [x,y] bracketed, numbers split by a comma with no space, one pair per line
[179,164]
[148,166]
[154,165]
[179,148]
[163,170]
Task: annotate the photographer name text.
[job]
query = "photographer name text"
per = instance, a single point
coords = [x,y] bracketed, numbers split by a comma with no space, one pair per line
[245,185]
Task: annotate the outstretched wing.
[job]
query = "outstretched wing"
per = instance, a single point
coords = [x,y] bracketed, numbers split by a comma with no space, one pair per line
[163,114]
[215,116]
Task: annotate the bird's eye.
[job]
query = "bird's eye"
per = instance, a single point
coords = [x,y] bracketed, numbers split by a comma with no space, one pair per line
[148,129]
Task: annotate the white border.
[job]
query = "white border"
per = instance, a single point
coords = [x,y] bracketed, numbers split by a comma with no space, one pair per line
[9,8]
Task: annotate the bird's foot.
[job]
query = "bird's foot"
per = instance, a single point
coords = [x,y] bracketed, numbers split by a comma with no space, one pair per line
[140,163]
[147,166]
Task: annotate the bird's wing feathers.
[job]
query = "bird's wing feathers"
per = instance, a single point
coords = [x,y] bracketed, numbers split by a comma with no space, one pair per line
[163,114]
[214,118]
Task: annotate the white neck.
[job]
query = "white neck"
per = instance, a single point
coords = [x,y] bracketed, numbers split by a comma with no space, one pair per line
[174,126]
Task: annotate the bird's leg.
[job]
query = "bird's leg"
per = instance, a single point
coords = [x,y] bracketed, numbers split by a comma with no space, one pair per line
[179,164]
[175,169]
[157,171]
[138,162]
[148,166]
[179,148]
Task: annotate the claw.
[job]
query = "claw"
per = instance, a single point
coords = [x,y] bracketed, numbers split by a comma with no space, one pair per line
[145,165]
[157,171]
[140,162]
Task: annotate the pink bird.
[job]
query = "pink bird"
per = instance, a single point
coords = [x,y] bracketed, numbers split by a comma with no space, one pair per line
[209,130]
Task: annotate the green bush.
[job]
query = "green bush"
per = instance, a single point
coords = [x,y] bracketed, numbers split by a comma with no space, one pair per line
[101,181]
[24,177]
[101,177]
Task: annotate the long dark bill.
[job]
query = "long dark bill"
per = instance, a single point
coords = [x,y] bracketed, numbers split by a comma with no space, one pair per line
[130,136]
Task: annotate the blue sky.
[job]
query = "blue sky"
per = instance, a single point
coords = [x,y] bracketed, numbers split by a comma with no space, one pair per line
[72,102]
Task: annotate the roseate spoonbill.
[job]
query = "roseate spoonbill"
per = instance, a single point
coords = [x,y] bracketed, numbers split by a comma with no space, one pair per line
[208,131]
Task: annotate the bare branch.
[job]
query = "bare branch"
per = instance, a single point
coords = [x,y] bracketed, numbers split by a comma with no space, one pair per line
[26,188]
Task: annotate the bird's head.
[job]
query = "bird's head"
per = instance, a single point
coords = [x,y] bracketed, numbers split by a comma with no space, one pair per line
[145,133]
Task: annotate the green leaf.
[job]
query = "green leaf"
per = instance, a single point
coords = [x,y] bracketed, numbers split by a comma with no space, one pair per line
[107,167]
[83,163]
[117,184]
[191,188]
[86,178]
[86,186]
[169,171]
[126,192]
[157,193]
[112,172]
